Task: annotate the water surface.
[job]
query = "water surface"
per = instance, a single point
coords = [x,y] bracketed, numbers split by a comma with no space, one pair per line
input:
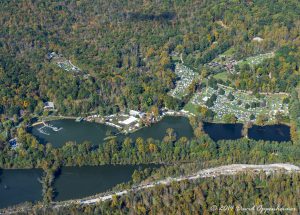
[95,132]
[19,185]
[220,131]
[278,133]
[73,131]
[78,182]
[181,126]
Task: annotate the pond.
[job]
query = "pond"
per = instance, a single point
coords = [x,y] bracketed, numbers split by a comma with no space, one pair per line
[19,185]
[78,182]
[72,131]
[95,132]
[181,126]
[278,133]
[219,131]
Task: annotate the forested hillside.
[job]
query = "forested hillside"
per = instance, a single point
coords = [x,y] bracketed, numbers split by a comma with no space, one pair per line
[126,48]
[128,64]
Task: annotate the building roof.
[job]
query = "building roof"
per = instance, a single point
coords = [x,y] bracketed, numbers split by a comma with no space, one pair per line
[134,112]
[258,39]
[128,121]
[49,105]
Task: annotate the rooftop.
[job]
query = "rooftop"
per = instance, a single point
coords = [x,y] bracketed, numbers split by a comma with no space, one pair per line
[128,121]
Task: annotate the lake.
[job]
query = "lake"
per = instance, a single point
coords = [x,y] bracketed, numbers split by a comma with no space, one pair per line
[278,133]
[181,126]
[219,131]
[19,185]
[78,182]
[72,131]
[95,132]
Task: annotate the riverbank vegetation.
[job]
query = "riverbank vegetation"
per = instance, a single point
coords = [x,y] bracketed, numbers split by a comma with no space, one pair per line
[128,151]
[228,194]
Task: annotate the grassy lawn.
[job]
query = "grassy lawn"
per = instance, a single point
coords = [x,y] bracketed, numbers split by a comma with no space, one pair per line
[255,60]
[222,76]
[176,58]
[229,52]
[192,108]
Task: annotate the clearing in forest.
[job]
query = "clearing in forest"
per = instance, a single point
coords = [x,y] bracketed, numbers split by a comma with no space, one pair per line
[240,103]
[185,78]
[257,59]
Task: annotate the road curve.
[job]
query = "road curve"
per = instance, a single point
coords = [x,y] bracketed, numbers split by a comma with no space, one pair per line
[211,172]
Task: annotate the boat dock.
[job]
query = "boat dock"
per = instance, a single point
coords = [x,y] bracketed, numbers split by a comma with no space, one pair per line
[79,119]
[41,129]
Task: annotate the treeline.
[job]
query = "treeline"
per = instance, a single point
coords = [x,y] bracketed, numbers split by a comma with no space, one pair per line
[170,150]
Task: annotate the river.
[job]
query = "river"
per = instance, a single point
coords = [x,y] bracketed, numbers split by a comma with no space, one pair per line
[19,185]
[78,182]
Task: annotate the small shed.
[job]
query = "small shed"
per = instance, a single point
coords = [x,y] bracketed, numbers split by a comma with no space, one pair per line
[49,105]
[257,39]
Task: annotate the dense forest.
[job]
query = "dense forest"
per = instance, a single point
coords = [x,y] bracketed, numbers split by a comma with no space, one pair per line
[126,47]
[126,52]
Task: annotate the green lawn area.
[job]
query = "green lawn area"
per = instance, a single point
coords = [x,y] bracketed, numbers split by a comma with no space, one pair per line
[192,108]
[229,52]
[222,76]
[255,60]
[176,58]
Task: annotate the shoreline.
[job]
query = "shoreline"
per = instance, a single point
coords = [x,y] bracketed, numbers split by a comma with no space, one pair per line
[216,171]
[181,113]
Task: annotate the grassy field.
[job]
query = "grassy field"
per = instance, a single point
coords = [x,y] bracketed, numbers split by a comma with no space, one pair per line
[255,60]
[222,76]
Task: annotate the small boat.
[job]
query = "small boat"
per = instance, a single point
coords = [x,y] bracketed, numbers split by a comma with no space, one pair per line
[56,129]
[79,119]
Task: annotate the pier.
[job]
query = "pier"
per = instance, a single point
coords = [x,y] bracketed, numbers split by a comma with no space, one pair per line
[42,131]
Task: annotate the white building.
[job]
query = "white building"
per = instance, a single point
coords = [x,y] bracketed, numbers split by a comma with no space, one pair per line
[136,113]
[48,105]
[129,121]
[258,39]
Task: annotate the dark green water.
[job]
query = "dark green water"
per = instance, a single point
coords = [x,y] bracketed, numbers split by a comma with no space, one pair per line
[95,132]
[181,126]
[17,186]
[219,131]
[278,133]
[73,131]
[78,182]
